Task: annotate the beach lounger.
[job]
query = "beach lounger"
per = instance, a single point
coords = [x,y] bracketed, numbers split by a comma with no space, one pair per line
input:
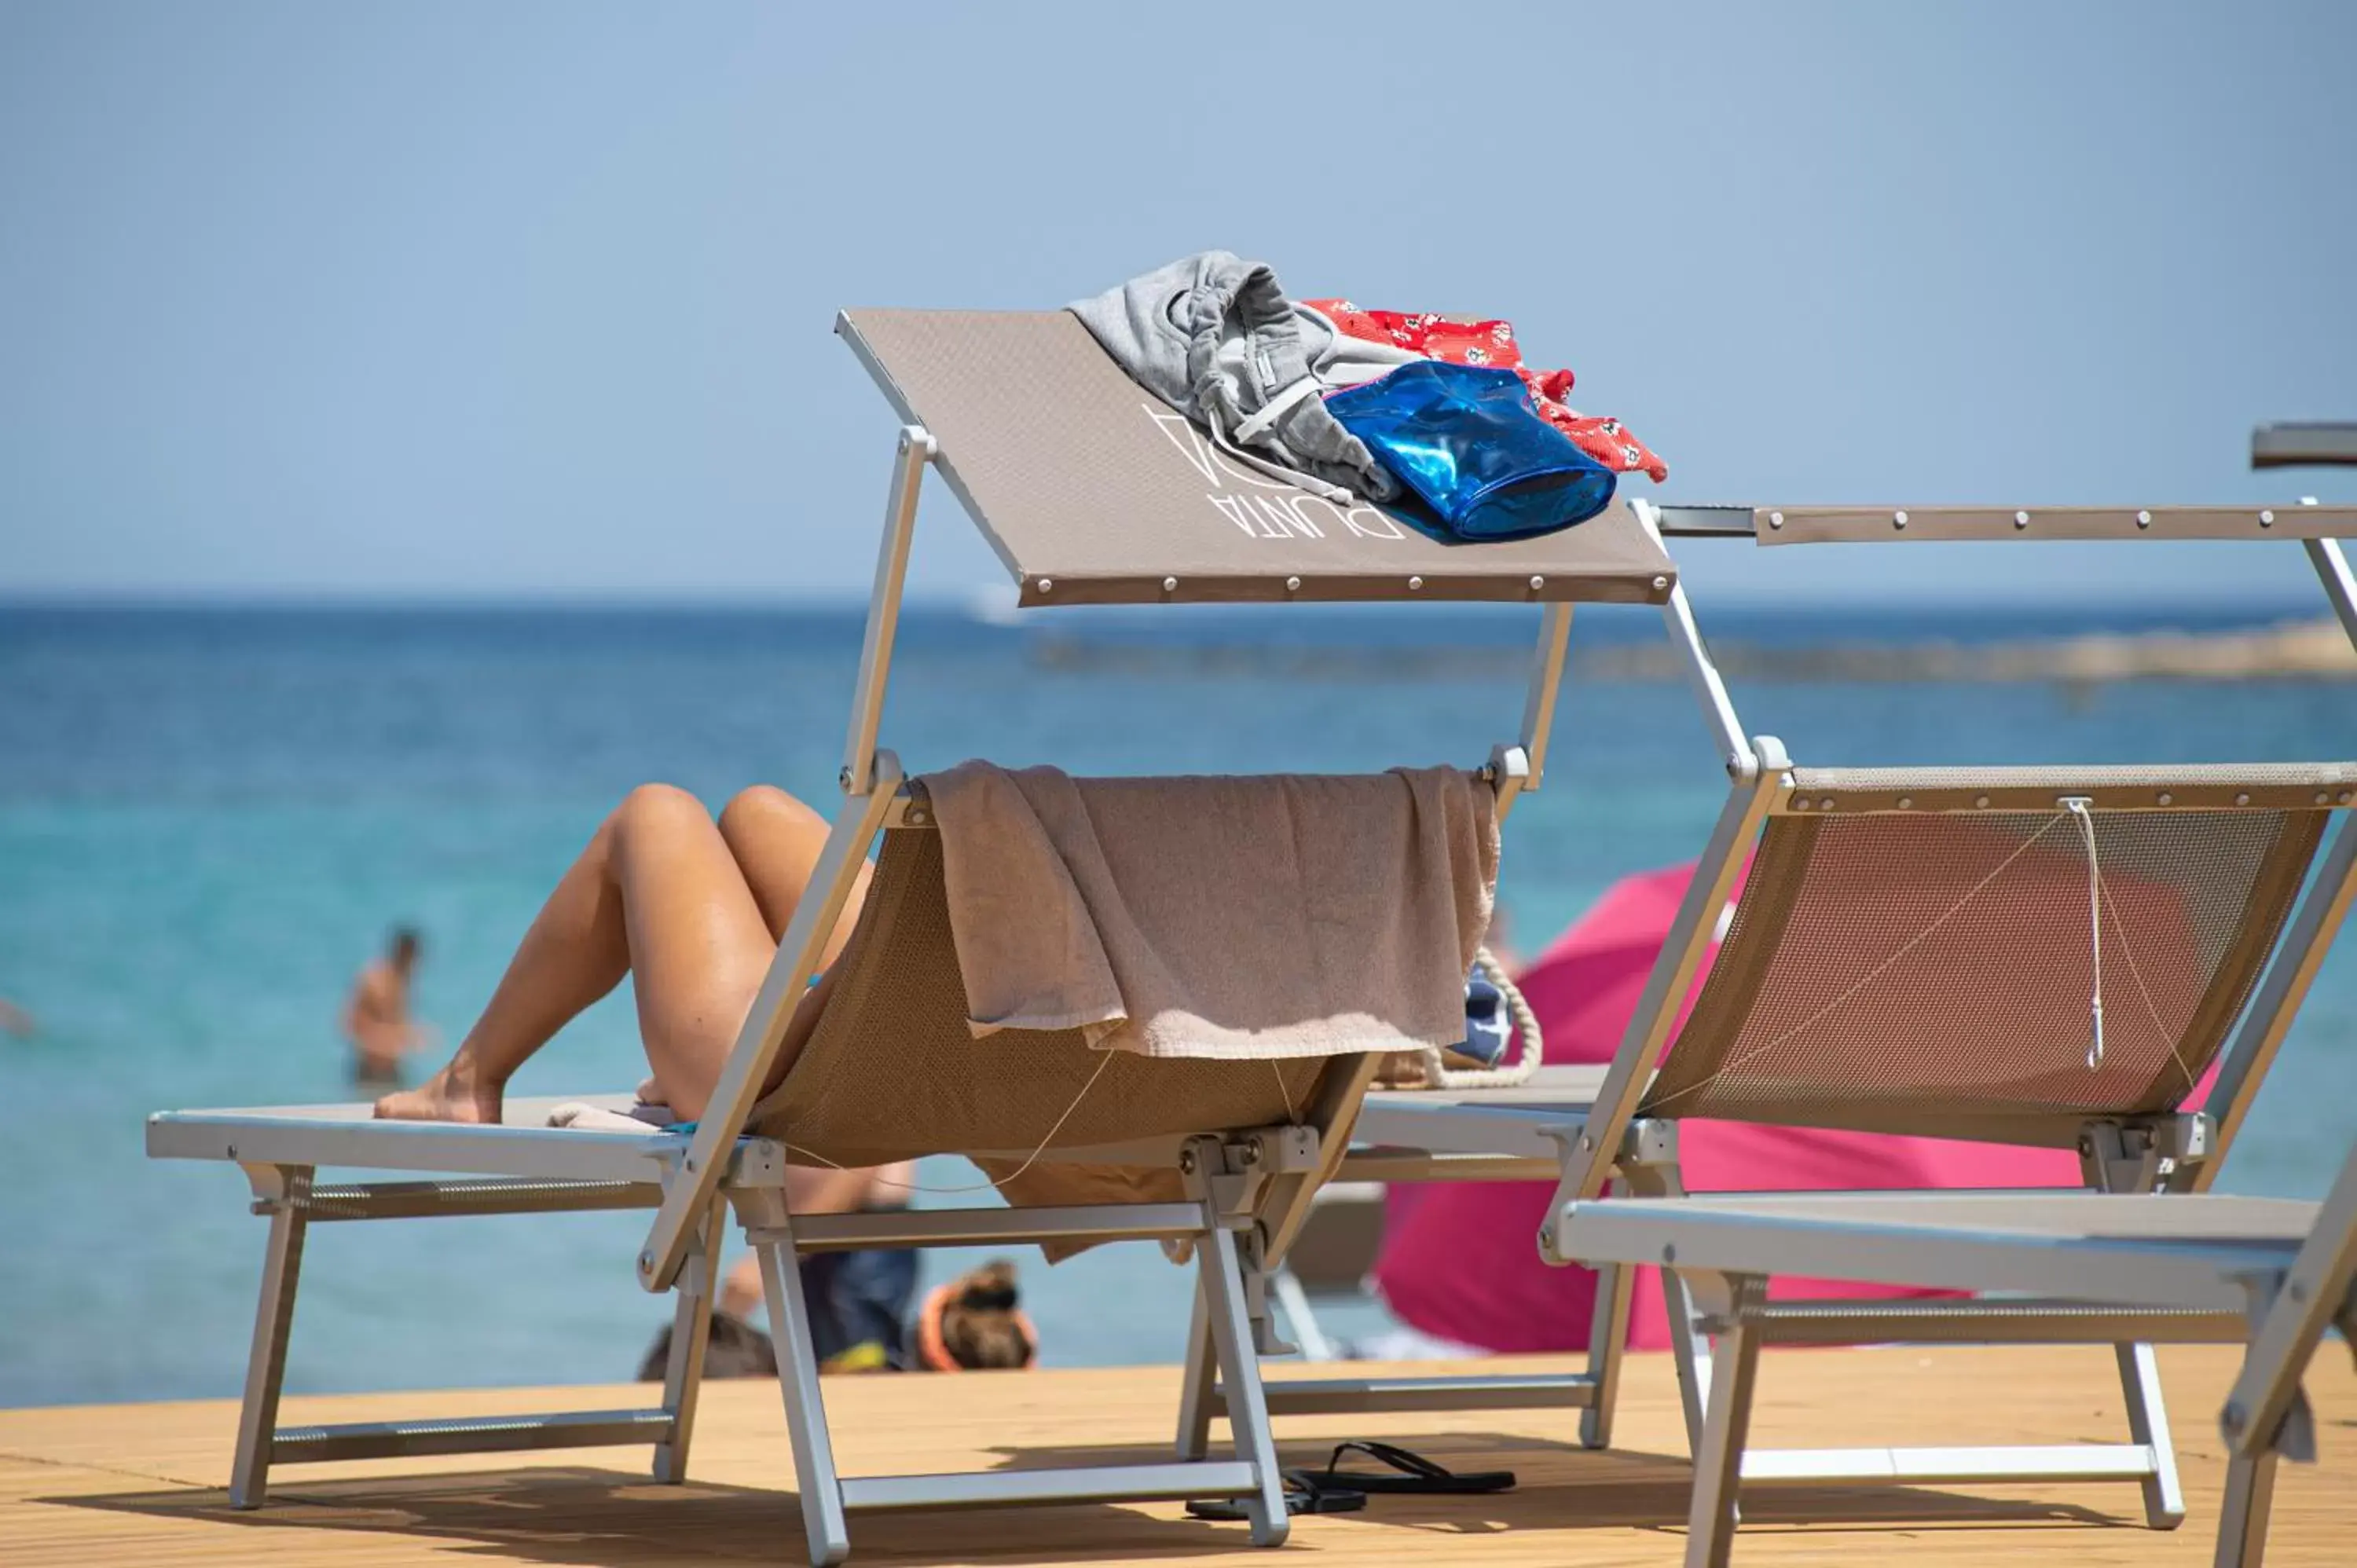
[1092,493]
[1866,983]
[2270,1273]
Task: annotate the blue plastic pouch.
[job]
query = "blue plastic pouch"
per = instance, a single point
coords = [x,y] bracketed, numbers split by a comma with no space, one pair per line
[1467,441]
[1488,1028]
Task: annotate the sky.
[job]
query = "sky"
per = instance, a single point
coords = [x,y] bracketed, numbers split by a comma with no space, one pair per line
[438,299]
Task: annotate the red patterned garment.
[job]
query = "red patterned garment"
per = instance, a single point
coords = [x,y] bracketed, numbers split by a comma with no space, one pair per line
[1462,340]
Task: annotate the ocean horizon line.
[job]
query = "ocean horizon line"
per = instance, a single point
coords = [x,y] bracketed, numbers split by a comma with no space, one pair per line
[996,603]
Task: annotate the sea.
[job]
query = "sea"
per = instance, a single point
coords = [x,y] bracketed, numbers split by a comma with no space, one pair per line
[210,816]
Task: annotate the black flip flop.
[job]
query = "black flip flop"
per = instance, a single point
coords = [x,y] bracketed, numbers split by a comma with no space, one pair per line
[1408,1473]
[1302,1496]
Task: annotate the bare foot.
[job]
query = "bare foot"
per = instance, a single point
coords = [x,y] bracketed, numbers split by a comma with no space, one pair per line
[451,1095]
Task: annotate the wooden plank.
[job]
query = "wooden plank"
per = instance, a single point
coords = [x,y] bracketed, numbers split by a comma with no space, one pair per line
[102,1485]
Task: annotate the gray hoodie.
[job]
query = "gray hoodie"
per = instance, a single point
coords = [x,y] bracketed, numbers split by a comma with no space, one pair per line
[1214,337]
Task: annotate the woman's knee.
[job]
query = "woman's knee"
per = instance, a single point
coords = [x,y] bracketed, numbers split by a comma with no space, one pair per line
[763,809]
[659,810]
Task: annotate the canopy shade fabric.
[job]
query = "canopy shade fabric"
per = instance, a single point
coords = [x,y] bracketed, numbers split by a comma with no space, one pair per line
[1095,492]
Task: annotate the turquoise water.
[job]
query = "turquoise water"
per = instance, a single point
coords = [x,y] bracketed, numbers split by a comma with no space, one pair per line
[208,819]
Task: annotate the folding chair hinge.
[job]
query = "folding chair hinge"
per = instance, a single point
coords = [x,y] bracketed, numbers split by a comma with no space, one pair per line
[2118,1156]
[1508,771]
[1232,1173]
[1228,1177]
[1648,1144]
[752,1162]
[1288,1151]
[1646,1162]
[761,1212]
[1644,1144]
[1235,1190]
[1718,1302]
[2295,1436]
[277,1187]
[2185,1139]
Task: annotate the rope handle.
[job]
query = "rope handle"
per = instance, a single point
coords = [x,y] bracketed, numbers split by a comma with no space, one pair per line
[1437,1073]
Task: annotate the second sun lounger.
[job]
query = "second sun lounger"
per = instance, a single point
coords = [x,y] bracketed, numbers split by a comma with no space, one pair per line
[2268,1272]
[1913,952]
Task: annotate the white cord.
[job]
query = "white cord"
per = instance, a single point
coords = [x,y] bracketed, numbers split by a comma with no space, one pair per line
[1292,1117]
[984,1185]
[1276,408]
[2151,1008]
[2077,806]
[1277,471]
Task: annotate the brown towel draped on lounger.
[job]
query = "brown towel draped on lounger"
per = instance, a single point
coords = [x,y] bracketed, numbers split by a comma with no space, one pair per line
[1257,918]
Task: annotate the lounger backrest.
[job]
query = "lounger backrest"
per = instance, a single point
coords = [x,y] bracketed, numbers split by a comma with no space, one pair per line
[891,1069]
[1915,951]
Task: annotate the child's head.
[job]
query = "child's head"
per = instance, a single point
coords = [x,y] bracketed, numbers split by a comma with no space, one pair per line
[975,1324]
[734,1350]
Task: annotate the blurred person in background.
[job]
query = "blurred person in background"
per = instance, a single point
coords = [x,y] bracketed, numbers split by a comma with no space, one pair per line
[376,1015]
[859,1301]
[865,1314]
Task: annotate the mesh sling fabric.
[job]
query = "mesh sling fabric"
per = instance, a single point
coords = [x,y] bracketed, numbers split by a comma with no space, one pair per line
[890,1070]
[1907,972]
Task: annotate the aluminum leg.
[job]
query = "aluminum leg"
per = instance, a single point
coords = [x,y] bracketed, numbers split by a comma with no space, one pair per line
[1690,1354]
[273,1316]
[1718,1457]
[2243,1516]
[691,1332]
[2109,1167]
[2164,1498]
[1199,1374]
[1221,1293]
[821,1489]
[1607,1338]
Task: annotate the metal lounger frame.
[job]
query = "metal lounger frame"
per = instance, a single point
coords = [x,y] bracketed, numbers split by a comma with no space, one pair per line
[546,1170]
[518,1169]
[2193,1268]
[1481,1136]
[1247,1190]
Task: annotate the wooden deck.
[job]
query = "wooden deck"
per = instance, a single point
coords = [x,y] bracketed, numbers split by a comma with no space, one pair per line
[105,1484]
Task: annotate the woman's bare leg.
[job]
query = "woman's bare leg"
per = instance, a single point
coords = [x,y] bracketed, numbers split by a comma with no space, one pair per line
[658,894]
[777,840]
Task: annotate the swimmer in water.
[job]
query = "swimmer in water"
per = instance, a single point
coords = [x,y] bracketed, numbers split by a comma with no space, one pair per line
[376,1015]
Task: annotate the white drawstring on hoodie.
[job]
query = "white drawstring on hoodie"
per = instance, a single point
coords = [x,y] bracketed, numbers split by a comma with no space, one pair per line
[1257,423]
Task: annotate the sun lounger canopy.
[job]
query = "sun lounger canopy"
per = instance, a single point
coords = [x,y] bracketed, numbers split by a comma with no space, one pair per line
[1095,492]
